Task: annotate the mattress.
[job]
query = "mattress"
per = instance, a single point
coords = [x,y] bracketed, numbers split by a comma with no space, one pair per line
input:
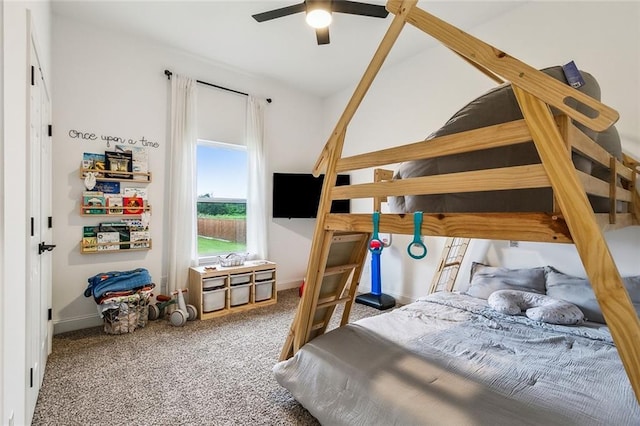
[451,359]
[497,106]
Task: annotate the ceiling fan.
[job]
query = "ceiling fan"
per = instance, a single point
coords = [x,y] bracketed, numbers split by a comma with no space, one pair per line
[319,13]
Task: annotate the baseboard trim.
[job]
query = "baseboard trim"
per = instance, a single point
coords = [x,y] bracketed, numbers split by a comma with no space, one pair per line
[88,321]
[287,285]
[76,323]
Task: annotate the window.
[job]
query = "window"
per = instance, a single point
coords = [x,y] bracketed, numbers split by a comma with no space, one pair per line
[222,171]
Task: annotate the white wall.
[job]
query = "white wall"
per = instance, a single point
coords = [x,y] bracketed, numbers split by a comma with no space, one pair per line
[113,84]
[14,208]
[408,101]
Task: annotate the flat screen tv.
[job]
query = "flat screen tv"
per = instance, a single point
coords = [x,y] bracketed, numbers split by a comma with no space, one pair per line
[297,195]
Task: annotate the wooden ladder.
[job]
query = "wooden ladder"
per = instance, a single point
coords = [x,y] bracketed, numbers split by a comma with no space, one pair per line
[339,267]
[450,262]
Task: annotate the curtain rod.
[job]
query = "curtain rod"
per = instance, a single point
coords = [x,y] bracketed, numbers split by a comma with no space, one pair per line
[169,73]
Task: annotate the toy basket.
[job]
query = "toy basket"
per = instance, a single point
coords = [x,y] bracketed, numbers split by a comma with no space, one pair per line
[130,313]
[232,259]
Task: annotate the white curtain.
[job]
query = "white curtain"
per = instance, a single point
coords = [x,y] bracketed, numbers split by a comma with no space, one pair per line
[256,198]
[182,247]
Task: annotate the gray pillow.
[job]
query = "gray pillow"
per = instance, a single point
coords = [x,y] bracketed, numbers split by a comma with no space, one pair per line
[487,279]
[579,292]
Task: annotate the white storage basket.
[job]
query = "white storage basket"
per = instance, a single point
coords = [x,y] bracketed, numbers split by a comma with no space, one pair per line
[240,294]
[214,300]
[264,290]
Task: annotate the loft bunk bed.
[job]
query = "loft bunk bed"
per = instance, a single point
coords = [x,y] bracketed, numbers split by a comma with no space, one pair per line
[558,121]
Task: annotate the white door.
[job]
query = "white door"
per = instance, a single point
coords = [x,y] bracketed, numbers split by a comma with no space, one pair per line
[39,262]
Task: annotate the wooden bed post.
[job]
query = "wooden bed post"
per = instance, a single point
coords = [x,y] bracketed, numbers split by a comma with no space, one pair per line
[605,279]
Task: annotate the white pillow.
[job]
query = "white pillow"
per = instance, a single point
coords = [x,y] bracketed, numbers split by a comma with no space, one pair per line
[536,306]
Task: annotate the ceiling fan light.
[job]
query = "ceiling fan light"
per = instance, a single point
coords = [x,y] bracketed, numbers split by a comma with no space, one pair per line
[318,18]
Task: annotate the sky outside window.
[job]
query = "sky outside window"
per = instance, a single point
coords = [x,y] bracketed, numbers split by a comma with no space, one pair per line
[222,171]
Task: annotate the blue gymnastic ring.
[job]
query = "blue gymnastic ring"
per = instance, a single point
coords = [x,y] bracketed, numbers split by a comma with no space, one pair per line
[417,241]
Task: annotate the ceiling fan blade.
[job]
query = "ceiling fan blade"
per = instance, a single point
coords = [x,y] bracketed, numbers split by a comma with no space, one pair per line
[279,13]
[322,35]
[357,8]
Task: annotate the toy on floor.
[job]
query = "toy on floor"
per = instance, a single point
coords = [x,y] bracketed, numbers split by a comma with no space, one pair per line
[180,315]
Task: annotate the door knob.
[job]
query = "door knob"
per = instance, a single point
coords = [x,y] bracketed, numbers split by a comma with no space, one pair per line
[42,247]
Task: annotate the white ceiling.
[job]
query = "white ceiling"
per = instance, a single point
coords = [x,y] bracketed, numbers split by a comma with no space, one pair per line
[283,49]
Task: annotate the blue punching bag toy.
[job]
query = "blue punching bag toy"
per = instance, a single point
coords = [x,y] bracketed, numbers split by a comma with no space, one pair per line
[376,299]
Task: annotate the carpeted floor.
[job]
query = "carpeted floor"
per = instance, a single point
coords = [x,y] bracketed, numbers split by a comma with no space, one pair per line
[214,372]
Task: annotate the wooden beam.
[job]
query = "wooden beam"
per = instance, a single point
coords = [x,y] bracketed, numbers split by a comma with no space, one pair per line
[622,221]
[339,269]
[544,87]
[634,165]
[517,177]
[381,175]
[482,69]
[613,187]
[541,227]
[595,186]
[504,134]
[328,303]
[313,285]
[370,73]
[586,146]
[361,255]
[604,277]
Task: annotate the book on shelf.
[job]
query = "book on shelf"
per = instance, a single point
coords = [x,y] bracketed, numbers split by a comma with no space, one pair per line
[93,204]
[116,235]
[94,161]
[139,239]
[139,159]
[90,231]
[115,200]
[89,243]
[108,237]
[107,187]
[135,224]
[119,165]
[135,192]
[133,205]
[121,228]
[90,238]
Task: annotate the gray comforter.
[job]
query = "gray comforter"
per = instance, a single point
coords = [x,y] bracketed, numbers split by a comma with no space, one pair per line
[449,359]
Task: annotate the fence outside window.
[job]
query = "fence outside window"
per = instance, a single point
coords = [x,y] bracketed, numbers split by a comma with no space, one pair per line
[222,225]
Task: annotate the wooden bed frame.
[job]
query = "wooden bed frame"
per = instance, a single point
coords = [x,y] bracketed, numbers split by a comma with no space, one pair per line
[340,240]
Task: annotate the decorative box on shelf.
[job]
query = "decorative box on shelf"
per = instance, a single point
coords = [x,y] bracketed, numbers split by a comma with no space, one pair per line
[219,290]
